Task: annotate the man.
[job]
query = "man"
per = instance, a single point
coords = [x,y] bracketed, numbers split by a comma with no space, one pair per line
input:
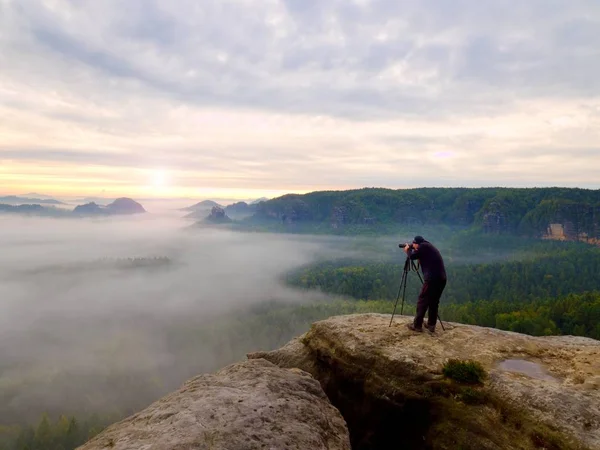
[434,282]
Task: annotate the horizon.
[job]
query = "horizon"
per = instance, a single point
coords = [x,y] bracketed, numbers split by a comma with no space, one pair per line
[172,100]
[226,201]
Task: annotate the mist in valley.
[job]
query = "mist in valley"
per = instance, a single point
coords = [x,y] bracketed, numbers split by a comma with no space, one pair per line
[104,316]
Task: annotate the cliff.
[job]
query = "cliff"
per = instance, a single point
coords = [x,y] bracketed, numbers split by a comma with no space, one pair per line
[389,385]
[393,388]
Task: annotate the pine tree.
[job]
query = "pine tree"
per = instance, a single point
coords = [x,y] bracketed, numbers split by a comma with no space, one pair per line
[43,434]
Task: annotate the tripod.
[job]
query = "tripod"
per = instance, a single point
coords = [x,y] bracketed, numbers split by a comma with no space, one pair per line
[408,266]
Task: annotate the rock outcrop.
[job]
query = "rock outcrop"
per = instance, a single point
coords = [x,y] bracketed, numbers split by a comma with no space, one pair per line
[541,392]
[355,382]
[249,405]
[217,215]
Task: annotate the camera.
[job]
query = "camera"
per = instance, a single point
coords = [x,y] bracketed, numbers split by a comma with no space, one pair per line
[405,244]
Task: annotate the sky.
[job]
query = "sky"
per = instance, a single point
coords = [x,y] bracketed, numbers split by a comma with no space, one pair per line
[244,99]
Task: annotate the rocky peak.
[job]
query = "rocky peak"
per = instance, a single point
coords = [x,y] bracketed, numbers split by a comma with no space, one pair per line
[217,215]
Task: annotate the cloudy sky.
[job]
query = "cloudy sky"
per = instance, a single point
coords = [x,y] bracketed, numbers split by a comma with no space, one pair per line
[245,98]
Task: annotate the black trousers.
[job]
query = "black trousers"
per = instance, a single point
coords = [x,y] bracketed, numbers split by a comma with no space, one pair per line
[429,299]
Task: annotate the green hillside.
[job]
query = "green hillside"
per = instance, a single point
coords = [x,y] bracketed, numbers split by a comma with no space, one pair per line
[572,214]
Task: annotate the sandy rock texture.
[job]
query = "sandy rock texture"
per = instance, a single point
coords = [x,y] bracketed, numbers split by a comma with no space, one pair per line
[555,380]
[248,405]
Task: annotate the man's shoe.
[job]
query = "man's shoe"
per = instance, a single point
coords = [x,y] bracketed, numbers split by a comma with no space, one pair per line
[431,328]
[412,327]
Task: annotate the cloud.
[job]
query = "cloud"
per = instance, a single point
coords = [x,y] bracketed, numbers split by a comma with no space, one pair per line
[128,84]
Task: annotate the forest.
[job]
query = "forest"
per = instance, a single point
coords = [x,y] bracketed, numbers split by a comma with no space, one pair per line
[519,211]
[538,287]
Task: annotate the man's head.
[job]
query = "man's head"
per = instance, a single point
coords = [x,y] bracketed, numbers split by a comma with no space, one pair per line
[417,241]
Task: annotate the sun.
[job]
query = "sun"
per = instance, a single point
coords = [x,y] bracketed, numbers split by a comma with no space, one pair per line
[159,179]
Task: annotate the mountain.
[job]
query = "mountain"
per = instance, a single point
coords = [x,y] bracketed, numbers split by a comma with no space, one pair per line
[125,206]
[36,195]
[217,216]
[14,200]
[33,210]
[98,200]
[561,213]
[89,209]
[121,206]
[258,200]
[204,205]
[240,210]
[356,382]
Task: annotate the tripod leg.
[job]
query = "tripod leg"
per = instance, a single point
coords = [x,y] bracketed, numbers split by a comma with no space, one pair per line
[441,323]
[417,270]
[404,293]
[402,283]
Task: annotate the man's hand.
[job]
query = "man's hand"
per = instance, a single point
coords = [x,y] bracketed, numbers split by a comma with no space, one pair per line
[407,248]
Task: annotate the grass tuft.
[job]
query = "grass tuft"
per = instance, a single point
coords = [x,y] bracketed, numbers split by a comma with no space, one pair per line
[466,372]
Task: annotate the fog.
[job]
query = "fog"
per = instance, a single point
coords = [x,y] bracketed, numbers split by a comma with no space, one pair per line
[85,328]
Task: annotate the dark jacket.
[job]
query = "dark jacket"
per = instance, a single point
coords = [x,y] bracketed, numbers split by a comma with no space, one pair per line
[431,261]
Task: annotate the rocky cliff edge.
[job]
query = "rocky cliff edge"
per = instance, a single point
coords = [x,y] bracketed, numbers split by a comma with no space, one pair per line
[390,386]
[249,405]
[388,382]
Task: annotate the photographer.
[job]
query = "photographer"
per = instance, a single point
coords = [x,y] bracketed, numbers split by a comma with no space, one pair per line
[434,276]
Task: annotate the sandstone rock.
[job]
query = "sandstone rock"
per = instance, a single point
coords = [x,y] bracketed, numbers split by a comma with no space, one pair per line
[546,396]
[249,405]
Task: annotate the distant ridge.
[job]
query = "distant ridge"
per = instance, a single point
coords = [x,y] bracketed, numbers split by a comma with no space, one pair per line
[552,213]
[33,210]
[16,200]
[121,206]
[204,205]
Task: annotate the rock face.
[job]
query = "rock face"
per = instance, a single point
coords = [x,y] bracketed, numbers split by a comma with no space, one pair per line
[249,405]
[391,389]
[388,384]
